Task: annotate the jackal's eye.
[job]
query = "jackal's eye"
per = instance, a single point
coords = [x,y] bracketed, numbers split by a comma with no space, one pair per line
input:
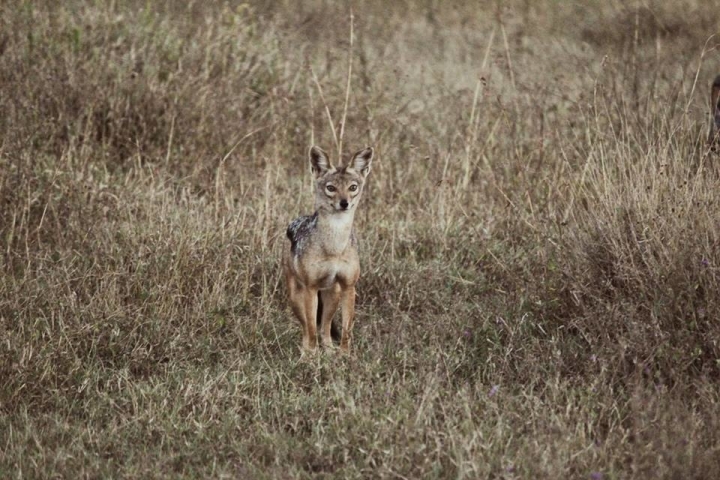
[330,188]
[353,188]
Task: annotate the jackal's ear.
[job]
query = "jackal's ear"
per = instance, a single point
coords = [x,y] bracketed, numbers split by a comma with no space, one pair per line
[319,161]
[361,161]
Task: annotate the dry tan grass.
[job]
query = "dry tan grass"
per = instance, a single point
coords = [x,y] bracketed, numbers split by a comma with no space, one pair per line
[540,240]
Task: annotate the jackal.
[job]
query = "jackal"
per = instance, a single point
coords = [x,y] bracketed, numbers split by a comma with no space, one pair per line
[714,137]
[321,263]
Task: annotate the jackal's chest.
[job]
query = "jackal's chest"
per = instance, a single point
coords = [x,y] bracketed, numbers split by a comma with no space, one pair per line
[334,274]
[324,273]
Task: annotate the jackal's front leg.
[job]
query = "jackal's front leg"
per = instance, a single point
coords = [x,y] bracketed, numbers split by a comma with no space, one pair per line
[310,332]
[330,300]
[297,295]
[347,301]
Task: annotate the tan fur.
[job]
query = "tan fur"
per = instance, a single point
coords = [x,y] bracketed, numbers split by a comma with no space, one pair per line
[323,257]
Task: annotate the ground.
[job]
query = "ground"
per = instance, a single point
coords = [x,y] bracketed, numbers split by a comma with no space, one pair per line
[539,239]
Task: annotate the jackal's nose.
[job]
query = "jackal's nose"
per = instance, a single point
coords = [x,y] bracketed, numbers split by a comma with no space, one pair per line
[344,204]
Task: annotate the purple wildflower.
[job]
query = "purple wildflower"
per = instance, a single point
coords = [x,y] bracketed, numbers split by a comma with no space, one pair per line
[705,262]
[493,390]
[596,476]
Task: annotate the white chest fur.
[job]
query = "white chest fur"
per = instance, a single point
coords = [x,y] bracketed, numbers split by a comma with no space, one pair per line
[335,231]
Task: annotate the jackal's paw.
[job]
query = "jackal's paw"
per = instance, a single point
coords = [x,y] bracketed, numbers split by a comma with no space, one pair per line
[307,353]
[331,350]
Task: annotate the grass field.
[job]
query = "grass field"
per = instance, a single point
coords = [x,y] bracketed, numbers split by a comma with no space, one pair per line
[540,239]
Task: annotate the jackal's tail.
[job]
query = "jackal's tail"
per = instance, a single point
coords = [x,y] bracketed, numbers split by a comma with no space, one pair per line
[714,137]
[334,332]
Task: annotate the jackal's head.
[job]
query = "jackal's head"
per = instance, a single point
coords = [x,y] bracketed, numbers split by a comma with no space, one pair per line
[338,189]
